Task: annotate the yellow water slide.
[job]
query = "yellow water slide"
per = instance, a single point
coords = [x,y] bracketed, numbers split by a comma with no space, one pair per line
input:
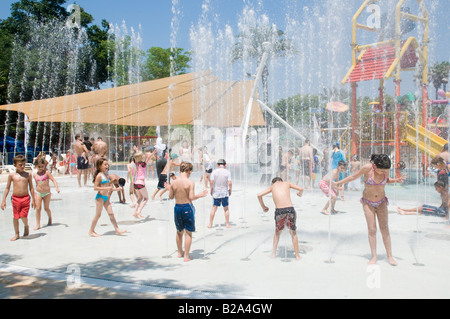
[426,141]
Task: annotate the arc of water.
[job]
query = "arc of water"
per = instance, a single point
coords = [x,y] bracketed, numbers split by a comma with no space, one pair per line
[286,124]
[246,121]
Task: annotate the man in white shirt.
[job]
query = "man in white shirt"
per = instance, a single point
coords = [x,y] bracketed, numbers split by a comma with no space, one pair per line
[220,191]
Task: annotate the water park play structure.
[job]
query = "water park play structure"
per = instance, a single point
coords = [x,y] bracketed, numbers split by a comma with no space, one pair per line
[172,100]
[382,61]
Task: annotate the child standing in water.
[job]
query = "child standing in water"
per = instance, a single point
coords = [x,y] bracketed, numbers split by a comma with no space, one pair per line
[221,191]
[375,202]
[131,168]
[183,190]
[285,214]
[21,181]
[43,194]
[103,185]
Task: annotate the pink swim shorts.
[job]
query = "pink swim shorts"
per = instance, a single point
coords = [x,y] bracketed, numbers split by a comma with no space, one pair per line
[325,187]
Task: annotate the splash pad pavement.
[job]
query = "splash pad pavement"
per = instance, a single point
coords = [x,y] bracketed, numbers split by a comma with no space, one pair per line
[233,262]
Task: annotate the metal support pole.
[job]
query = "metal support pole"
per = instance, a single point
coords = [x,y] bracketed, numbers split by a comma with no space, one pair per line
[354,145]
[397,129]
[246,121]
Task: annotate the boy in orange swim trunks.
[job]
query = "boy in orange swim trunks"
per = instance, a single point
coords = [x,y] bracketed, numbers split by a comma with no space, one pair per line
[20,198]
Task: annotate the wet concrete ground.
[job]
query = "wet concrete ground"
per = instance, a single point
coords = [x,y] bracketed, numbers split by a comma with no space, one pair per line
[228,263]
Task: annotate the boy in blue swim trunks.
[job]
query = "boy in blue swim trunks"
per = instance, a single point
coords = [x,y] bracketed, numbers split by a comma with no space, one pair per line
[183,190]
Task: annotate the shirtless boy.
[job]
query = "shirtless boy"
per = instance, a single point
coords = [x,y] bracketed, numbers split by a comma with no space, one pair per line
[82,159]
[183,190]
[21,181]
[119,182]
[285,214]
[328,184]
[100,149]
[162,179]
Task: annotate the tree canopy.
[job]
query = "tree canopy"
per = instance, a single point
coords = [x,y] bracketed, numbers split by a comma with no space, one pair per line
[162,63]
[439,75]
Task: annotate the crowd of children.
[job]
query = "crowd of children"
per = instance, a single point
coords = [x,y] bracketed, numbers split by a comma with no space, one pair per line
[182,189]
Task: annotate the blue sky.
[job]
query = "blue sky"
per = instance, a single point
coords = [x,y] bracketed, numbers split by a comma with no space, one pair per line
[153,18]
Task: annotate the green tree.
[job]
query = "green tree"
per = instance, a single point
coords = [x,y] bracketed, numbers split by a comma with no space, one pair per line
[127,61]
[26,14]
[24,11]
[158,63]
[30,18]
[297,109]
[439,75]
[5,58]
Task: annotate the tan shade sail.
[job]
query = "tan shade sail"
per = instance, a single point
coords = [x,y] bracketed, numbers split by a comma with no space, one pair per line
[176,100]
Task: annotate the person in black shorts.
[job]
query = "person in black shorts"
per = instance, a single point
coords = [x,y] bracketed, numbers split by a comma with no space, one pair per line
[82,159]
[285,215]
[162,179]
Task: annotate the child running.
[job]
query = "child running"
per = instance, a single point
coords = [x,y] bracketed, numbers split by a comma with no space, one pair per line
[21,181]
[102,184]
[375,202]
[139,182]
[43,194]
[183,190]
[163,176]
[285,214]
[330,188]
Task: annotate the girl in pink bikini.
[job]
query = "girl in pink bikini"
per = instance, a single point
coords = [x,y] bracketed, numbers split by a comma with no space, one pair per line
[139,182]
[375,202]
[43,194]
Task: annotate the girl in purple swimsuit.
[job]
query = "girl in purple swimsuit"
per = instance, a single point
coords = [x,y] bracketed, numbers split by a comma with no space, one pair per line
[375,202]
